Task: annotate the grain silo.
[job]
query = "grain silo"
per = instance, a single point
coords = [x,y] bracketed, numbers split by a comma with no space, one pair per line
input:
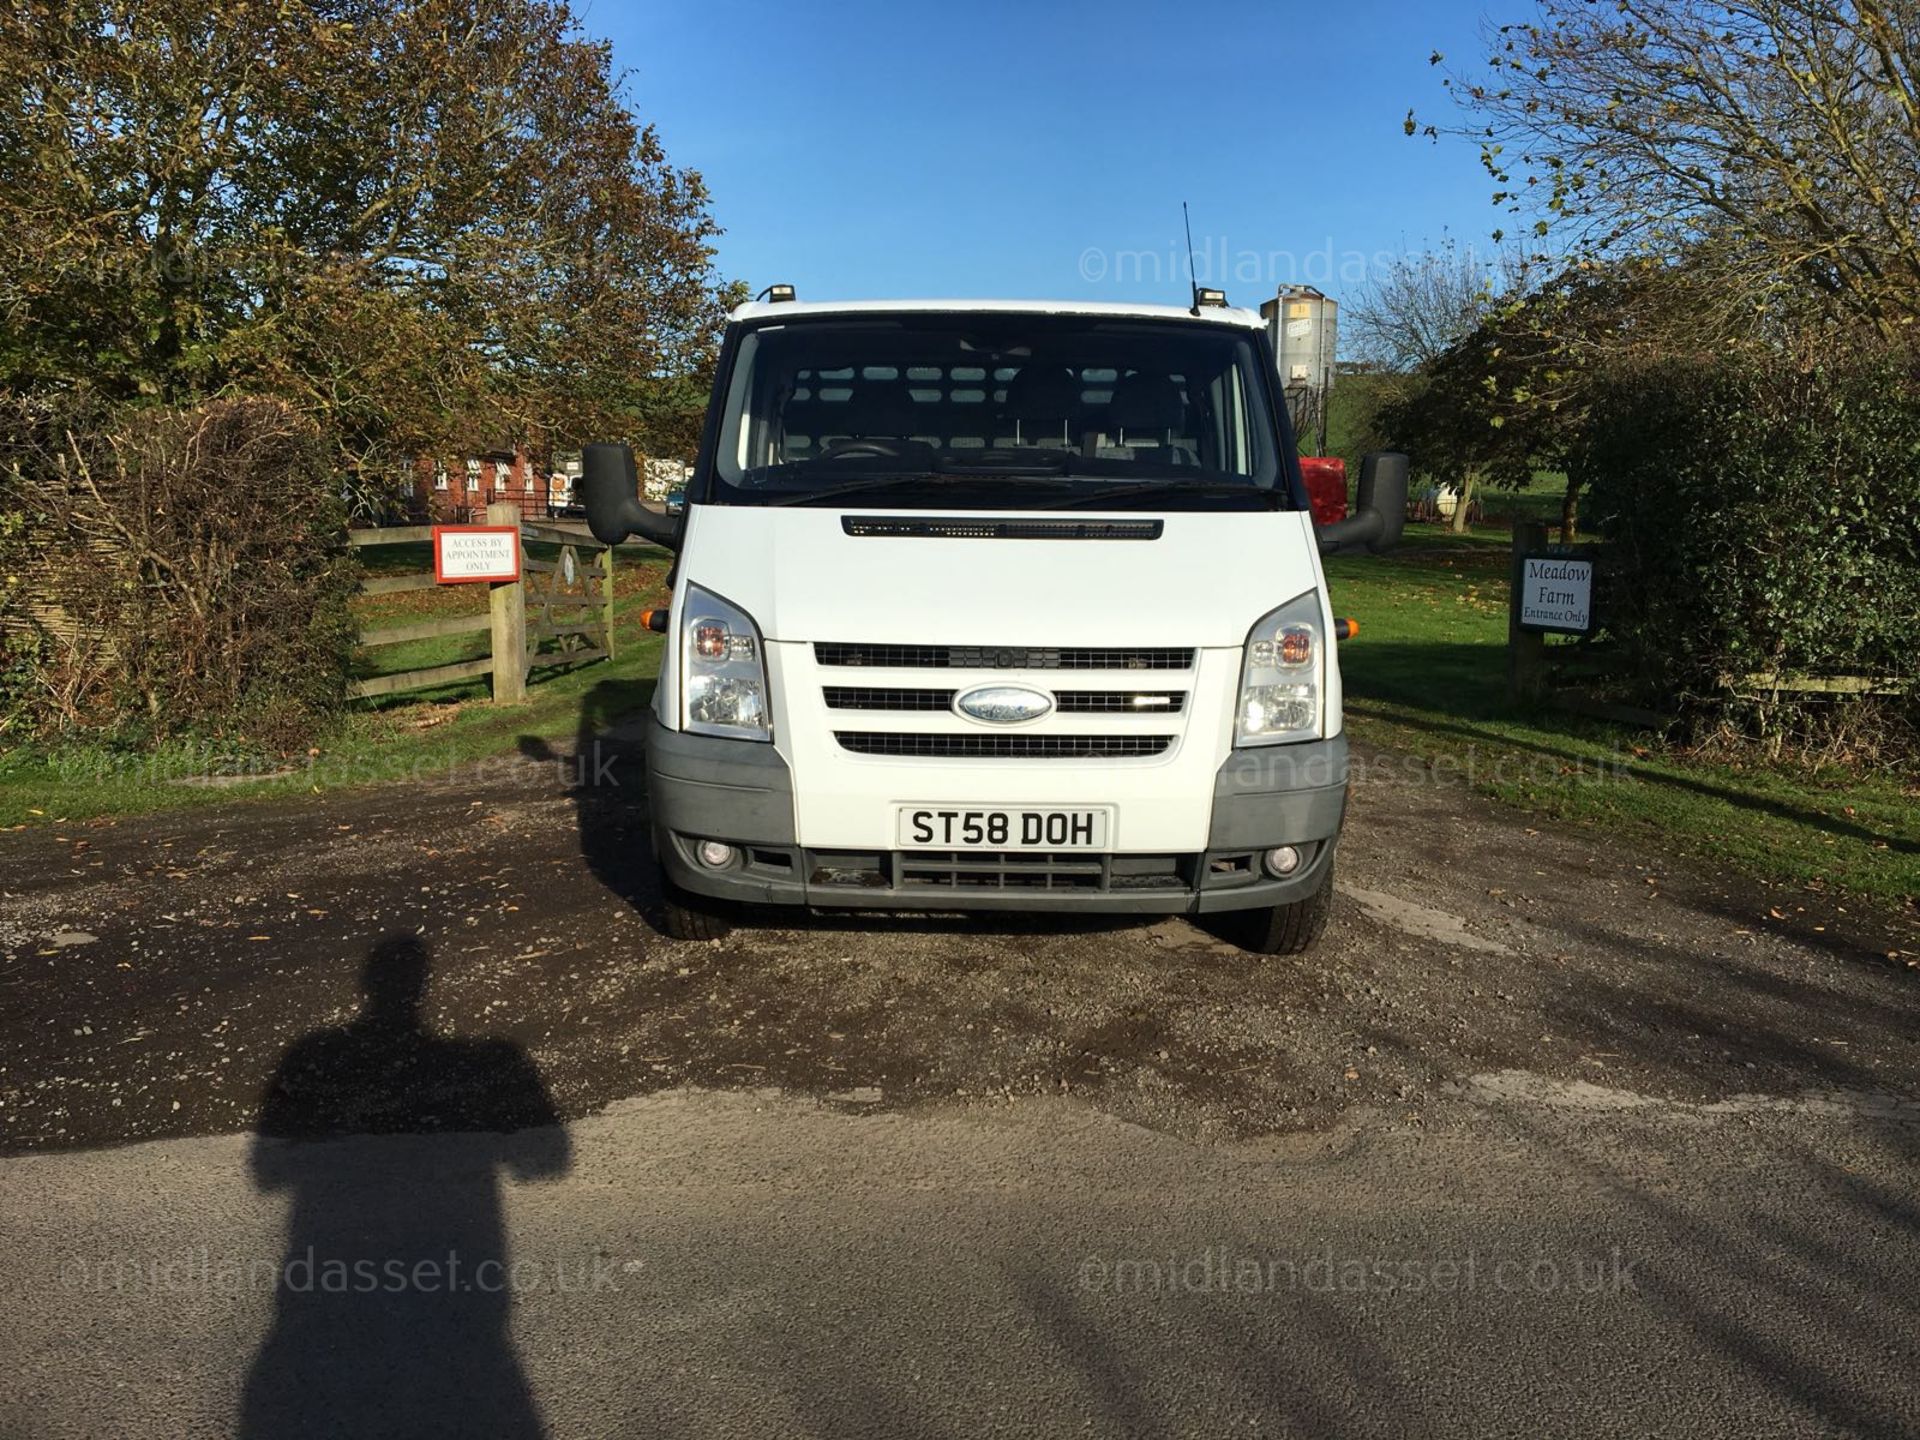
[1304,327]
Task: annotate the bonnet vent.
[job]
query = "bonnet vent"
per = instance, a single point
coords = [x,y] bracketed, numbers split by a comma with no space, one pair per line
[967,527]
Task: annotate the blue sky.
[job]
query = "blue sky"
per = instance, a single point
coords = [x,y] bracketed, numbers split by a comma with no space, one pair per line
[1038,150]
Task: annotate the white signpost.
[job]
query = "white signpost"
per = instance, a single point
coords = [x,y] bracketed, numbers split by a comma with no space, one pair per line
[1556,594]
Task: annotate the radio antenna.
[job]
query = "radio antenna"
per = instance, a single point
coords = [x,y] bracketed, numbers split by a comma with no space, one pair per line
[1193,280]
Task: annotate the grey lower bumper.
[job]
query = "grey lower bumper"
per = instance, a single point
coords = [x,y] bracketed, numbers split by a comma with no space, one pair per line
[703,788]
[1278,794]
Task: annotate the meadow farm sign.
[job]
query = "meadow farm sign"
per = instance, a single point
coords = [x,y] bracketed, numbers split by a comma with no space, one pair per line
[1556,594]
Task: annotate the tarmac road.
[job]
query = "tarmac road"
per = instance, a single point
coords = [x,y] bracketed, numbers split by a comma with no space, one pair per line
[1547,1138]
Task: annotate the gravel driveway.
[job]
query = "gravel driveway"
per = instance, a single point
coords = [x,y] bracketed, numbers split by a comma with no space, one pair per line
[1518,1039]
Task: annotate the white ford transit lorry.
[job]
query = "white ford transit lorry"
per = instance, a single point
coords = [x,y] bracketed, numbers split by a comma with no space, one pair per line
[1007,606]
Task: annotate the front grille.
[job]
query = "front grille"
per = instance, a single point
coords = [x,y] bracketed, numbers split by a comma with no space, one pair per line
[1121,702]
[1070,702]
[867,697]
[1003,747]
[1001,870]
[962,870]
[1003,657]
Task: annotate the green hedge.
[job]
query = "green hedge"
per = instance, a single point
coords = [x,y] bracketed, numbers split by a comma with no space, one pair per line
[1760,520]
[170,573]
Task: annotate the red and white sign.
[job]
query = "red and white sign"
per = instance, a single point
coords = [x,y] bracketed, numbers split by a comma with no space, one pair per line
[463,554]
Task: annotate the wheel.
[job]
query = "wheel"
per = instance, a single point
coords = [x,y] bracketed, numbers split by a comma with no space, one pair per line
[1281,929]
[685,916]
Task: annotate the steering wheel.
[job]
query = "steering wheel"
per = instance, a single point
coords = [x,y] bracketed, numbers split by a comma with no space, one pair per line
[863,450]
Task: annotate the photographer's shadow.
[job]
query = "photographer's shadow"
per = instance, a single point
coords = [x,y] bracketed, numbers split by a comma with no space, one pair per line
[606,778]
[392,1299]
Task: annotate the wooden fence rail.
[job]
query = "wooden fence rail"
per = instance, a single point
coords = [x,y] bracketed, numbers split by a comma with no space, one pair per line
[572,601]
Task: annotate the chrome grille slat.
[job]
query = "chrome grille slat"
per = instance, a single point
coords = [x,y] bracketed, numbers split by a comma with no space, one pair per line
[941,745]
[1067,702]
[1121,702]
[870,697]
[1003,657]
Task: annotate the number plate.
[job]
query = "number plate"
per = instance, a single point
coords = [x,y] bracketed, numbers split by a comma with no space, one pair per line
[954,827]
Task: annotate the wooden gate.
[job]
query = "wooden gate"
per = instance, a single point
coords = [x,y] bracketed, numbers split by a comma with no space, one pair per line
[569,598]
[558,614]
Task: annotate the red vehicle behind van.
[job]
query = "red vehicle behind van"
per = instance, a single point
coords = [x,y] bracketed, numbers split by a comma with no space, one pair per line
[1326,477]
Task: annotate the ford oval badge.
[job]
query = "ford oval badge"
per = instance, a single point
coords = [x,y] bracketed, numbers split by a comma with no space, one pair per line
[1003,704]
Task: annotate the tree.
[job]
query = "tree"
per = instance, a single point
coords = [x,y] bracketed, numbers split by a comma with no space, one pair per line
[1420,306]
[421,224]
[1493,407]
[1410,322]
[1777,140]
[1513,396]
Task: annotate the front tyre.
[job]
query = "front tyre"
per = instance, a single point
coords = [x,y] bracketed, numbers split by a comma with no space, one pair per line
[1289,929]
[686,916]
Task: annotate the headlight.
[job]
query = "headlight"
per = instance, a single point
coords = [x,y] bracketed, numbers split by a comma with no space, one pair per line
[723,673]
[1280,693]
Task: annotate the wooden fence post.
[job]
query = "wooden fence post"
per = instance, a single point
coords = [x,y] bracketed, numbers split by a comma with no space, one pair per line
[606,558]
[508,605]
[1526,649]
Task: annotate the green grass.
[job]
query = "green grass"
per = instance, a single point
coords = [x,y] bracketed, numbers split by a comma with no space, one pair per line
[1427,677]
[419,735]
[1541,500]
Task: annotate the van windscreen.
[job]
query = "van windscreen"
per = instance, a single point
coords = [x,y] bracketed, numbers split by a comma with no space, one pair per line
[1025,410]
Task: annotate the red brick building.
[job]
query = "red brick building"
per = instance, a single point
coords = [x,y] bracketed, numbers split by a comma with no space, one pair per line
[461,489]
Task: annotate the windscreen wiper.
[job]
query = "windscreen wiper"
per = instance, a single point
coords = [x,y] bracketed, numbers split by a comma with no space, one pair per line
[1211,488]
[892,482]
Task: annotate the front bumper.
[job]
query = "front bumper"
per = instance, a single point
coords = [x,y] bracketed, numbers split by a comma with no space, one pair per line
[702,788]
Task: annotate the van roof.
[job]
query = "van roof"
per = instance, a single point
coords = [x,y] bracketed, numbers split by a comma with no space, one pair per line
[756,310]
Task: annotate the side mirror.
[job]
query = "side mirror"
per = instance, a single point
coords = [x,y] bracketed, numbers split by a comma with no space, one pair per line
[1379,510]
[610,489]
